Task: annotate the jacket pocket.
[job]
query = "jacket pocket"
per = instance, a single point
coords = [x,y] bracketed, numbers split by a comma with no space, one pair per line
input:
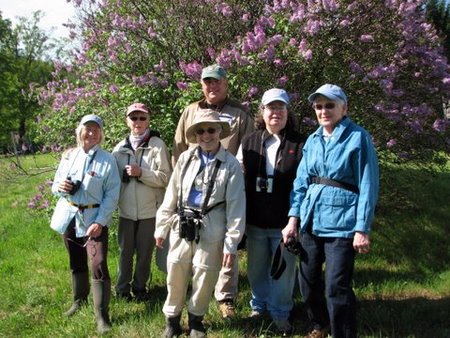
[337,212]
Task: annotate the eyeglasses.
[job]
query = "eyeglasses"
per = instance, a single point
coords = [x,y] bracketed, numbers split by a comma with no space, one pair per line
[208,130]
[140,118]
[276,108]
[328,106]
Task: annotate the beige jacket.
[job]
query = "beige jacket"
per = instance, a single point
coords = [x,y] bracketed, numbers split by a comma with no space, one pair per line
[225,222]
[141,198]
[241,123]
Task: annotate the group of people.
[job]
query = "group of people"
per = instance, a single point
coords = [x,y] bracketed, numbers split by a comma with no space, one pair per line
[296,199]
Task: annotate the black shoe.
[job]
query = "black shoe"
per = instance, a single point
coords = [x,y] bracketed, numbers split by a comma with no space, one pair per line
[125,296]
[142,296]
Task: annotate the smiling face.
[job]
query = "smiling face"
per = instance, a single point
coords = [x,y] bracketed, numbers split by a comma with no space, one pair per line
[329,113]
[208,137]
[215,91]
[138,122]
[275,116]
[91,135]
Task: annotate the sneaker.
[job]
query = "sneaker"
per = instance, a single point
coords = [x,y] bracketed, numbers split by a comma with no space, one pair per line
[318,333]
[255,314]
[283,326]
[227,309]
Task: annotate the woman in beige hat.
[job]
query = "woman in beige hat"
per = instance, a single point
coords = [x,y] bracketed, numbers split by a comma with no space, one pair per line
[204,207]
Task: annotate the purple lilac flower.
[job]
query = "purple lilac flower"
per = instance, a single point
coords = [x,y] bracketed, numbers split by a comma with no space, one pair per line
[366,38]
[252,91]
[282,80]
[113,89]
[440,125]
[392,142]
[182,85]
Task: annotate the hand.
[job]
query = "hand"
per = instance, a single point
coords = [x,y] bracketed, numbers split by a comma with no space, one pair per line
[95,230]
[65,186]
[290,230]
[159,242]
[361,242]
[133,170]
[228,260]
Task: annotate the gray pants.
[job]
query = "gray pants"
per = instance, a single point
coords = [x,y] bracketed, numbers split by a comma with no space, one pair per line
[135,237]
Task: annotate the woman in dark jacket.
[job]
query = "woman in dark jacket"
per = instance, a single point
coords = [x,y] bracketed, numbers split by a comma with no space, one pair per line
[269,158]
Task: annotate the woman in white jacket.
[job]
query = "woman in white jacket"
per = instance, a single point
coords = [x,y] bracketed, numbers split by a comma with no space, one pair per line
[144,164]
[204,209]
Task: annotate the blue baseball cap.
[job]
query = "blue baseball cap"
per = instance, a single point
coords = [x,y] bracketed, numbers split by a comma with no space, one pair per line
[275,94]
[330,91]
[91,118]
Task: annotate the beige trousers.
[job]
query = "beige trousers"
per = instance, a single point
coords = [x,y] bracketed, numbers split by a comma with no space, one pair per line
[187,260]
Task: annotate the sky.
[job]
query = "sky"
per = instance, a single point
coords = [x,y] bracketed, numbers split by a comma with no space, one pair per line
[56,12]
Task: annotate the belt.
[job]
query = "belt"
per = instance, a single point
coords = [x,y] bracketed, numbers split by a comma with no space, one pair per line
[334,183]
[82,207]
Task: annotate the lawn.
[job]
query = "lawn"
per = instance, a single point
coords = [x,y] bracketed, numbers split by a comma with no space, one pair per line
[403,285]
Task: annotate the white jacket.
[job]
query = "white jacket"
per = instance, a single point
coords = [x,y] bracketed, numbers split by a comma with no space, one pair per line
[226,221]
[141,197]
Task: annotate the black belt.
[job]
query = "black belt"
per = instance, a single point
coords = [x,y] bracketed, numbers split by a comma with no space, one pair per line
[334,183]
[82,207]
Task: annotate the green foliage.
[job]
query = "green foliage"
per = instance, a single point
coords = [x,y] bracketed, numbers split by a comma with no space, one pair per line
[22,71]
[438,12]
[403,285]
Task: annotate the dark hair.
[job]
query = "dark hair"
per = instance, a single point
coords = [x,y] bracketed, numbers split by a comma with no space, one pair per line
[261,125]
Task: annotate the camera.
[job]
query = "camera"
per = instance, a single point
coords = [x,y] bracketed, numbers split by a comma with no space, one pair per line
[189,223]
[264,184]
[125,176]
[293,246]
[75,185]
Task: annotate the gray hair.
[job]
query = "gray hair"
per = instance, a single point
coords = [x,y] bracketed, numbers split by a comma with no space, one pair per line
[79,130]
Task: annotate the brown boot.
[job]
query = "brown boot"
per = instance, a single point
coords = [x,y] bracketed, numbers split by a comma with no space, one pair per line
[101,291]
[80,287]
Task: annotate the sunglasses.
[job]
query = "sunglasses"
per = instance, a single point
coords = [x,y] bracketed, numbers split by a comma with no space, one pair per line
[328,106]
[276,108]
[208,130]
[140,118]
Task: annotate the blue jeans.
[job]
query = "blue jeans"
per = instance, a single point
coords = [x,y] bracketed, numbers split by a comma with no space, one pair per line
[269,294]
[330,301]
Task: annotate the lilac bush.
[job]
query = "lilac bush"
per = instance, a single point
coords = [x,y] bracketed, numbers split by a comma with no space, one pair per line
[383,53]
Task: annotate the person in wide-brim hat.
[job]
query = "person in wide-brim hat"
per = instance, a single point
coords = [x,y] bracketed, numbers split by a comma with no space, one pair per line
[207,118]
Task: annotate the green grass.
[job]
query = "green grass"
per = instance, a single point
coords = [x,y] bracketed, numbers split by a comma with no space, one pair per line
[403,285]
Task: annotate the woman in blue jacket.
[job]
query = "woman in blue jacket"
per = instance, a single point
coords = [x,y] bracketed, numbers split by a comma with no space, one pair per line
[333,203]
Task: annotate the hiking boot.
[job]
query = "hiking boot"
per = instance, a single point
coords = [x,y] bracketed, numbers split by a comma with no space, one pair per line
[173,327]
[142,296]
[196,328]
[227,309]
[317,333]
[126,296]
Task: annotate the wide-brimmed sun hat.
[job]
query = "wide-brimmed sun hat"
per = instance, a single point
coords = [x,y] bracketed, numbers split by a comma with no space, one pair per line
[207,117]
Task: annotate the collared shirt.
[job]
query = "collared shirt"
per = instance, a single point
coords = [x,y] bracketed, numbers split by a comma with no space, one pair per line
[100,184]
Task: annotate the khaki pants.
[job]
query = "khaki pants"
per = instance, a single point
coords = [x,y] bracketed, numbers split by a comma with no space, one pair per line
[187,260]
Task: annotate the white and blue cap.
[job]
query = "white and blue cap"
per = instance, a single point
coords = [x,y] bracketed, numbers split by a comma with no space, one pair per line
[91,118]
[275,94]
[330,91]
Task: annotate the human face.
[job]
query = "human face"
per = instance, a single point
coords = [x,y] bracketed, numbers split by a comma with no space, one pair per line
[140,123]
[215,91]
[275,116]
[330,112]
[90,135]
[208,137]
